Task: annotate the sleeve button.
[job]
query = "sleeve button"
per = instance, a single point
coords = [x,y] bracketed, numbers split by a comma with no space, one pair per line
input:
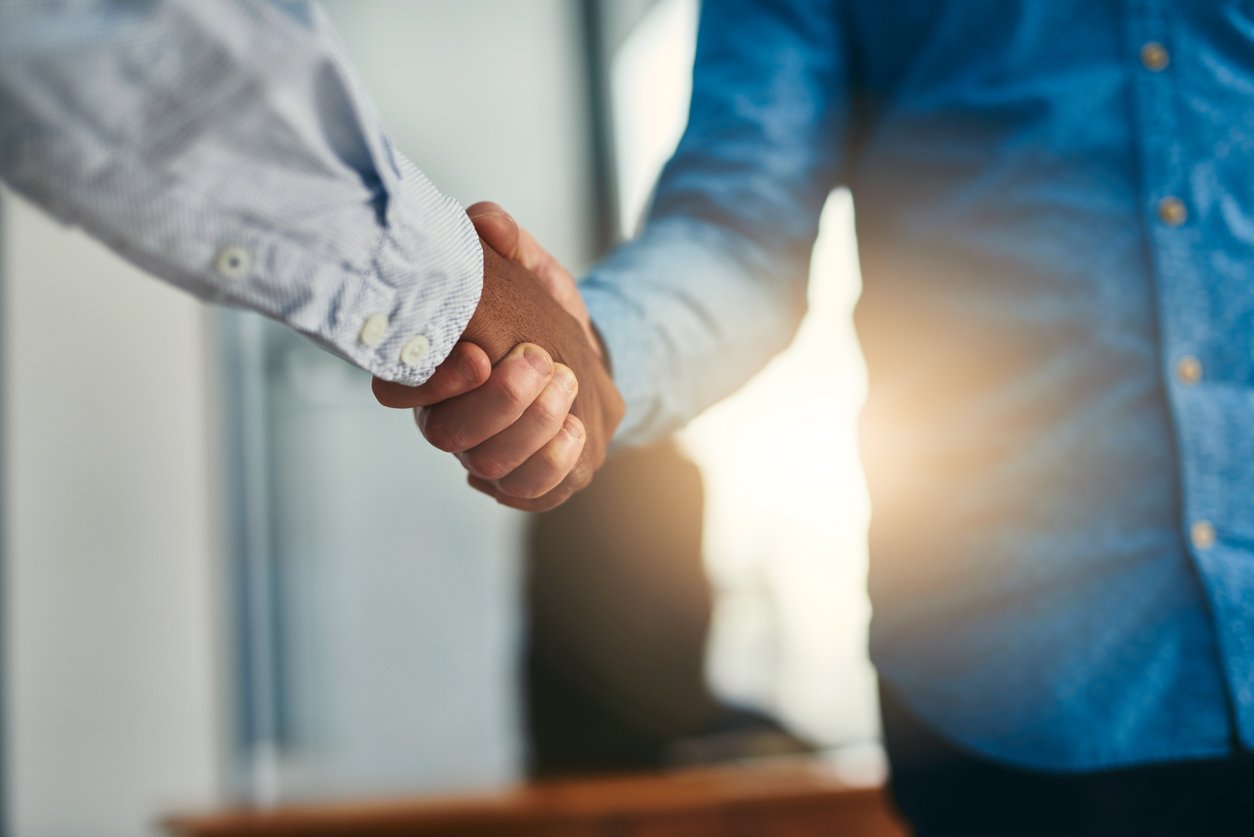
[415,351]
[233,262]
[373,330]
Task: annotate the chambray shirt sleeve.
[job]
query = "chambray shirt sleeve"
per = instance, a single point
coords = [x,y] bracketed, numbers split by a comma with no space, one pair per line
[715,283]
[227,148]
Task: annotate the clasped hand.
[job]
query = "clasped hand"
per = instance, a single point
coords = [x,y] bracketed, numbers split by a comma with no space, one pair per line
[524,401]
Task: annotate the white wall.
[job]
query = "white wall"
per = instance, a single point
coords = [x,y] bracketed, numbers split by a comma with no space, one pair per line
[110,617]
[488,98]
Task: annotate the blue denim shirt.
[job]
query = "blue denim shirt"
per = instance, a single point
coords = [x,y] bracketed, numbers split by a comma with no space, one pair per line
[1055,213]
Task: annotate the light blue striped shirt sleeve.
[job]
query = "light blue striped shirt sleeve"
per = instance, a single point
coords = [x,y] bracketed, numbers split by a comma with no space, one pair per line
[715,284]
[227,148]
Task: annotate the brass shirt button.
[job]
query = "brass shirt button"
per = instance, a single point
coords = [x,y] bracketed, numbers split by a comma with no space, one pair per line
[1189,370]
[1171,211]
[1154,57]
[1202,533]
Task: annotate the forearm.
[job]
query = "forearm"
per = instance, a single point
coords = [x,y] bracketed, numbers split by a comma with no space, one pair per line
[715,284]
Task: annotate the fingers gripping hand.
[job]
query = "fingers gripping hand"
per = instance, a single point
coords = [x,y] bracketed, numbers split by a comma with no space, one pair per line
[519,428]
[509,431]
[510,427]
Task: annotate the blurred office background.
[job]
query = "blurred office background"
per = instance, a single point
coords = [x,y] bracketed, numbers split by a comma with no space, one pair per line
[229,575]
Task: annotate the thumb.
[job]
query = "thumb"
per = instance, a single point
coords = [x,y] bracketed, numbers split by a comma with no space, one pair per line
[503,234]
[496,227]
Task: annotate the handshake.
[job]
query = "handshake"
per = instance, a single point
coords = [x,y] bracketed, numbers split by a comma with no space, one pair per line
[525,401]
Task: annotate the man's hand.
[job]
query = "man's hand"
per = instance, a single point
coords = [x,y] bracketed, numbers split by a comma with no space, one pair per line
[532,430]
[499,229]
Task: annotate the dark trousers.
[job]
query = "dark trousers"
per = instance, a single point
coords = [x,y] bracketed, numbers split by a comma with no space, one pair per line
[942,790]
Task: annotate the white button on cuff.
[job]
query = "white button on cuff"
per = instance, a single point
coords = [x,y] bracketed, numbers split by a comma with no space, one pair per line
[373,330]
[415,351]
[234,262]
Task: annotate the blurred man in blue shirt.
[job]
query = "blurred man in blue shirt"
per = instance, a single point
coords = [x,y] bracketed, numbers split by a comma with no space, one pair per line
[1055,216]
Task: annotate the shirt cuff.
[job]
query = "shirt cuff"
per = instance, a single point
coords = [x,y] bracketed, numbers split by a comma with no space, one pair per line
[424,285]
[620,324]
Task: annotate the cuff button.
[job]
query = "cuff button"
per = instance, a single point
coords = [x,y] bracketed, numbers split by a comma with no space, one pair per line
[373,330]
[415,351]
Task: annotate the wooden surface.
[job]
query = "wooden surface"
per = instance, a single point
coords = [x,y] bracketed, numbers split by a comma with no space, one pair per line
[796,799]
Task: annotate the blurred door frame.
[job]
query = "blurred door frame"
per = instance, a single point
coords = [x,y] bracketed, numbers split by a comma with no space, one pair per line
[606,25]
[4,534]
[251,573]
